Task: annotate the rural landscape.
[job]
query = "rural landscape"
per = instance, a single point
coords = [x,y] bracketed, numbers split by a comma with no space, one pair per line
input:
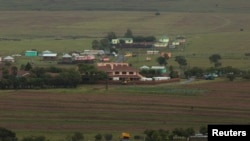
[108,70]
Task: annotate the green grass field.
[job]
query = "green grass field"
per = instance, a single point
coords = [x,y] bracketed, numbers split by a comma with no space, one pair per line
[64,31]
[129,5]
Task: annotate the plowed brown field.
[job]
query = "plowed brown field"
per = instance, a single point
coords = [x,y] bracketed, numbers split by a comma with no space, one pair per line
[221,103]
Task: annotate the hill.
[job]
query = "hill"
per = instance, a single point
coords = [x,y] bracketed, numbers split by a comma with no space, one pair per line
[128,5]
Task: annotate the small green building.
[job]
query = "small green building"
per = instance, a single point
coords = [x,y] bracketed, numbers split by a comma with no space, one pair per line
[31,53]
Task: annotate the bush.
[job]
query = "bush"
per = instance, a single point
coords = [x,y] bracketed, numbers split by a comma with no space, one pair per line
[108,137]
[34,138]
[98,137]
[7,135]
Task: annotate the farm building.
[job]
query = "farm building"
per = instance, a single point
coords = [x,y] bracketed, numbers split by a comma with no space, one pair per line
[119,40]
[144,67]
[162,42]
[46,52]
[119,71]
[176,43]
[151,52]
[181,39]
[8,59]
[105,59]
[164,39]
[162,69]
[84,59]
[66,58]
[30,53]
[49,57]
[93,52]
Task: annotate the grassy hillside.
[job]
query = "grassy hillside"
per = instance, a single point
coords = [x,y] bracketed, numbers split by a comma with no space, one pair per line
[64,31]
[128,5]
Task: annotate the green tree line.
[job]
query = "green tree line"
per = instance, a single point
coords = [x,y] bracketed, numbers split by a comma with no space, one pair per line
[50,77]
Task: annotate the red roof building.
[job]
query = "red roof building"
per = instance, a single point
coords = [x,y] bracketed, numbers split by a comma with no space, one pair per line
[119,71]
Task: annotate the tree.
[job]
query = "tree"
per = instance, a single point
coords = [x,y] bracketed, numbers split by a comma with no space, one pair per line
[98,137]
[157,135]
[183,132]
[34,138]
[7,135]
[96,45]
[108,137]
[128,34]
[203,130]
[195,71]
[162,60]
[215,59]
[105,44]
[28,67]
[173,73]
[111,35]
[77,136]
[14,70]
[181,60]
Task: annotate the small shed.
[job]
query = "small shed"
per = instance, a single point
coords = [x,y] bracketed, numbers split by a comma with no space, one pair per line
[31,53]
[162,69]
[8,59]
[49,57]
[144,67]
[66,58]
[164,39]
[46,52]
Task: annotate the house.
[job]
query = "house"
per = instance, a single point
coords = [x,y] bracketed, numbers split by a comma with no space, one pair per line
[8,59]
[162,69]
[93,52]
[151,52]
[66,58]
[104,59]
[119,71]
[144,67]
[83,59]
[49,57]
[176,43]
[120,40]
[161,44]
[46,52]
[30,53]
[163,39]
[181,39]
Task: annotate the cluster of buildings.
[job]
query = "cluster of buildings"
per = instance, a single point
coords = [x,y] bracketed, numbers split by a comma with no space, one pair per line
[163,41]
[116,71]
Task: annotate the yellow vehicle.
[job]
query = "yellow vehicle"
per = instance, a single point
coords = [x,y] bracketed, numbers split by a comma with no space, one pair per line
[125,136]
[128,54]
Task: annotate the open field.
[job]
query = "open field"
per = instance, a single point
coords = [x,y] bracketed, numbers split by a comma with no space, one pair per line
[64,31]
[92,109]
[129,5]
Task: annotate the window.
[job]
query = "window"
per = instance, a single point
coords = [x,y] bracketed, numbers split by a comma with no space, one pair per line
[117,72]
[124,72]
[131,72]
